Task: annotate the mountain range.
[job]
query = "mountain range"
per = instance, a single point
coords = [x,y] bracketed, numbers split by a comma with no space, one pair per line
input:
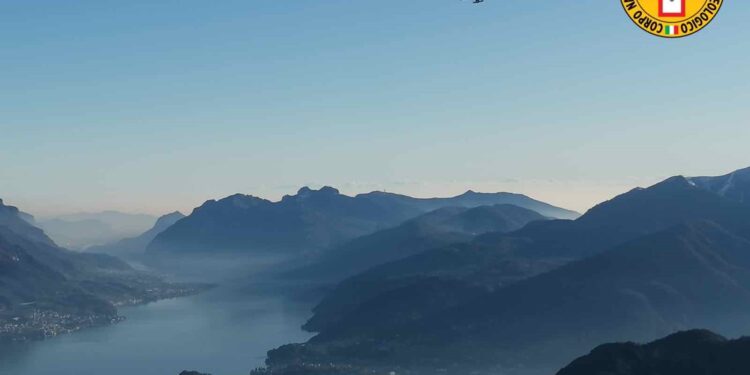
[310,221]
[672,256]
[497,259]
[434,229]
[135,247]
[478,283]
[81,230]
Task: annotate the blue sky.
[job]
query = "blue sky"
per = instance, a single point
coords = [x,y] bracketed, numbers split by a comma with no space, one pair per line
[151,106]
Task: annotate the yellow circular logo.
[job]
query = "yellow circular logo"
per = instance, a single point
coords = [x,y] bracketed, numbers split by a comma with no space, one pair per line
[672,18]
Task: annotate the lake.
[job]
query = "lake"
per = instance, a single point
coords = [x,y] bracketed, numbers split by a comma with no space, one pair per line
[224,331]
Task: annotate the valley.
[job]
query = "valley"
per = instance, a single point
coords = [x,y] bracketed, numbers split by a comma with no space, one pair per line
[481,288]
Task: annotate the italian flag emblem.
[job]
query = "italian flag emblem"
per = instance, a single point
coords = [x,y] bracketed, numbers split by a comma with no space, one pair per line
[671,30]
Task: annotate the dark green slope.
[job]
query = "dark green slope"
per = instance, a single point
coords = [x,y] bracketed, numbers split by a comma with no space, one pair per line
[695,352]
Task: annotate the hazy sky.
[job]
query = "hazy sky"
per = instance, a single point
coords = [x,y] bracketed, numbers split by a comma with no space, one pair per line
[151,106]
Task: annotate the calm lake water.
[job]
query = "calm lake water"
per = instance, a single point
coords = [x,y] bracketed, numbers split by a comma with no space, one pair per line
[224,331]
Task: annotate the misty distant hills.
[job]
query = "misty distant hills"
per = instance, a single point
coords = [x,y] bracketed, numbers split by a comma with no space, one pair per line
[122,222]
[695,352]
[309,221]
[434,229]
[136,246]
[474,199]
[81,230]
[77,234]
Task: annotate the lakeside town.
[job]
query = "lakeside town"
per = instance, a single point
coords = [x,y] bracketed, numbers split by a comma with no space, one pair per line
[42,324]
[30,322]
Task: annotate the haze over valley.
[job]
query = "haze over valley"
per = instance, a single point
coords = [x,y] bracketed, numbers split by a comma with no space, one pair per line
[481,282]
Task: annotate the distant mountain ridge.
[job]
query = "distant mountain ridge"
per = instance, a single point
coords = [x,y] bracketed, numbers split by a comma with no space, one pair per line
[735,185]
[311,220]
[437,228]
[475,199]
[122,221]
[81,230]
[136,246]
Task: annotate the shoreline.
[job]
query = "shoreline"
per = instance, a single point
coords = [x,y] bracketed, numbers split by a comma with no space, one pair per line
[42,324]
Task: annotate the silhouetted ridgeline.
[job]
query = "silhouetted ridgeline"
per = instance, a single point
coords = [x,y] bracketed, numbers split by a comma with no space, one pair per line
[735,186]
[311,220]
